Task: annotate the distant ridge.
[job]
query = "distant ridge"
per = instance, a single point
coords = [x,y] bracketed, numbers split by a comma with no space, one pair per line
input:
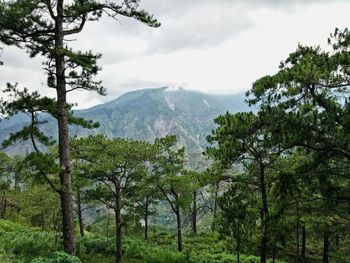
[144,115]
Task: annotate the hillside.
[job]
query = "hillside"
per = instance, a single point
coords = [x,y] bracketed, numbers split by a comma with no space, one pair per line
[145,115]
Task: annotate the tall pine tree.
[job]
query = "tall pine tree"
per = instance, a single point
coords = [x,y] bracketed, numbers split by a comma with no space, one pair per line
[41,27]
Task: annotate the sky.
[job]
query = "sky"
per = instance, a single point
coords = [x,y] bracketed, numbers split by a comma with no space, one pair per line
[214,46]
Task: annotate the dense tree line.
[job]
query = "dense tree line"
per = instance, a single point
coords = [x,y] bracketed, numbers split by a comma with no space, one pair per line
[294,151]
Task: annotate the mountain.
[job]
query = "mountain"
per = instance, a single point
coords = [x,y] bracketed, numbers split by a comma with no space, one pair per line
[145,115]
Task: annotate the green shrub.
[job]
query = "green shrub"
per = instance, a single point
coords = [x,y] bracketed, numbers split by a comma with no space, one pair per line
[95,244]
[207,257]
[135,249]
[8,258]
[26,242]
[159,255]
[57,257]
[8,226]
[23,243]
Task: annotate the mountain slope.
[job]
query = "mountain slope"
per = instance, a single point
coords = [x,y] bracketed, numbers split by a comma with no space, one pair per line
[145,115]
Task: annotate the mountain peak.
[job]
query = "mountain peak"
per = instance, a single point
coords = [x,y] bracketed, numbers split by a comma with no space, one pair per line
[174,87]
[149,113]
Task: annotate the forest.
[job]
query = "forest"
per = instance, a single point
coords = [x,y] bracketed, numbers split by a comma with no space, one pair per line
[272,185]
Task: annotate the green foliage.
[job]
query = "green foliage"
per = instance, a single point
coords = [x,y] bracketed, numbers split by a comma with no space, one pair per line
[57,257]
[5,171]
[26,243]
[170,174]
[32,103]
[150,254]
[6,257]
[206,257]
[309,95]
[42,27]
[95,245]
[202,248]
[134,249]
[306,106]
[294,149]
[112,166]
[238,215]
[38,203]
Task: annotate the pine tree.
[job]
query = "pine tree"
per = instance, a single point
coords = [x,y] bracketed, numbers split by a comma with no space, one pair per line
[41,27]
[242,138]
[114,168]
[171,179]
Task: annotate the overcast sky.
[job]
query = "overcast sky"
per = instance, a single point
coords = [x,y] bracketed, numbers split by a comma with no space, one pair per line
[215,46]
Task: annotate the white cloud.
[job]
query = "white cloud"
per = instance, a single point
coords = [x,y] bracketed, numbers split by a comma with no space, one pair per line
[219,46]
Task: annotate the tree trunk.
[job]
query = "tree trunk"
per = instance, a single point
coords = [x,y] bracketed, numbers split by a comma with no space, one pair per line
[16,187]
[179,232]
[325,258]
[263,216]
[80,213]
[154,223]
[146,218]
[194,213]
[5,207]
[42,219]
[238,240]
[118,228]
[67,224]
[107,227]
[263,251]
[298,235]
[303,243]
[3,210]
[63,136]
[216,200]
